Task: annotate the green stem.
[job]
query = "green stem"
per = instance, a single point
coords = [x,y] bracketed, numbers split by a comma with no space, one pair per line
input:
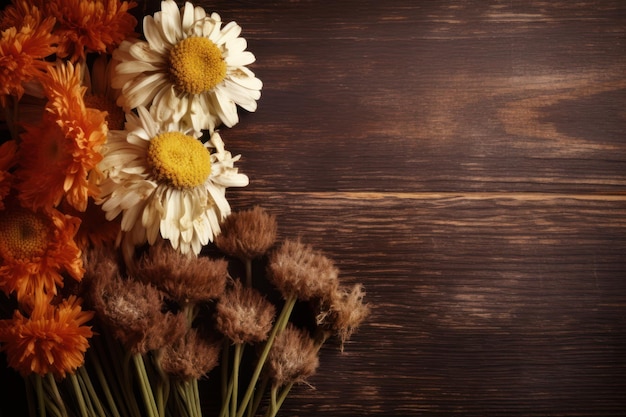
[196,396]
[104,383]
[144,385]
[127,385]
[280,324]
[82,405]
[258,396]
[321,338]
[56,395]
[120,365]
[91,392]
[163,384]
[277,403]
[53,410]
[225,361]
[180,409]
[272,408]
[185,394]
[235,378]
[188,401]
[226,402]
[182,398]
[38,385]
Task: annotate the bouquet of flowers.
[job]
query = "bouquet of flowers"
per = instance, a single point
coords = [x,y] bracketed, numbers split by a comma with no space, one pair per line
[125,279]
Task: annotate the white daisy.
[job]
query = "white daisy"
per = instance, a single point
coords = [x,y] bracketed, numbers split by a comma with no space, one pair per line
[164,180]
[189,67]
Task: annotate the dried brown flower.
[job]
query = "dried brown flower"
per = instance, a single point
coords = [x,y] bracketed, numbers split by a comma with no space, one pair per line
[247,234]
[133,310]
[190,357]
[101,265]
[343,312]
[297,269]
[293,357]
[184,278]
[244,315]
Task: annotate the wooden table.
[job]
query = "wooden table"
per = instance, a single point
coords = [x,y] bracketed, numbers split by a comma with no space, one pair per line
[465,161]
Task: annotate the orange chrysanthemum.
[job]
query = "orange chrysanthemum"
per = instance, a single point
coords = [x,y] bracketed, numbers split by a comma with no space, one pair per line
[26,40]
[52,340]
[63,147]
[95,230]
[36,248]
[8,151]
[20,11]
[90,25]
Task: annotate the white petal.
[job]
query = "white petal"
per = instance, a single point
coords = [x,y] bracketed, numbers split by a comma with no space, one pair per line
[229,32]
[200,113]
[169,105]
[137,235]
[170,21]
[216,142]
[199,14]
[240,95]
[211,27]
[144,53]
[202,229]
[134,68]
[215,224]
[196,246]
[154,35]
[169,222]
[148,124]
[239,59]
[232,179]
[151,218]
[186,220]
[130,218]
[225,108]
[188,17]
[218,195]
[245,78]
[236,46]
[142,91]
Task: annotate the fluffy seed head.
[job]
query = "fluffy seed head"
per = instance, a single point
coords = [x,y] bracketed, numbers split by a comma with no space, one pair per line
[293,357]
[244,315]
[296,269]
[190,357]
[133,311]
[343,312]
[247,234]
[185,278]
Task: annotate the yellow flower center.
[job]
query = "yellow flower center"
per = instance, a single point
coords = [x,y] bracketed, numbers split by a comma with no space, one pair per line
[179,159]
[24,235]
[196,65]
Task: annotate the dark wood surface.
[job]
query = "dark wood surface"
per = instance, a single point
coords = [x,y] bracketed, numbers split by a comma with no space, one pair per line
[466,161]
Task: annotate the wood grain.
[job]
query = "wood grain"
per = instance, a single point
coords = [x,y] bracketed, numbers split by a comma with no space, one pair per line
[435,96]
[481,306]
[466,161]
